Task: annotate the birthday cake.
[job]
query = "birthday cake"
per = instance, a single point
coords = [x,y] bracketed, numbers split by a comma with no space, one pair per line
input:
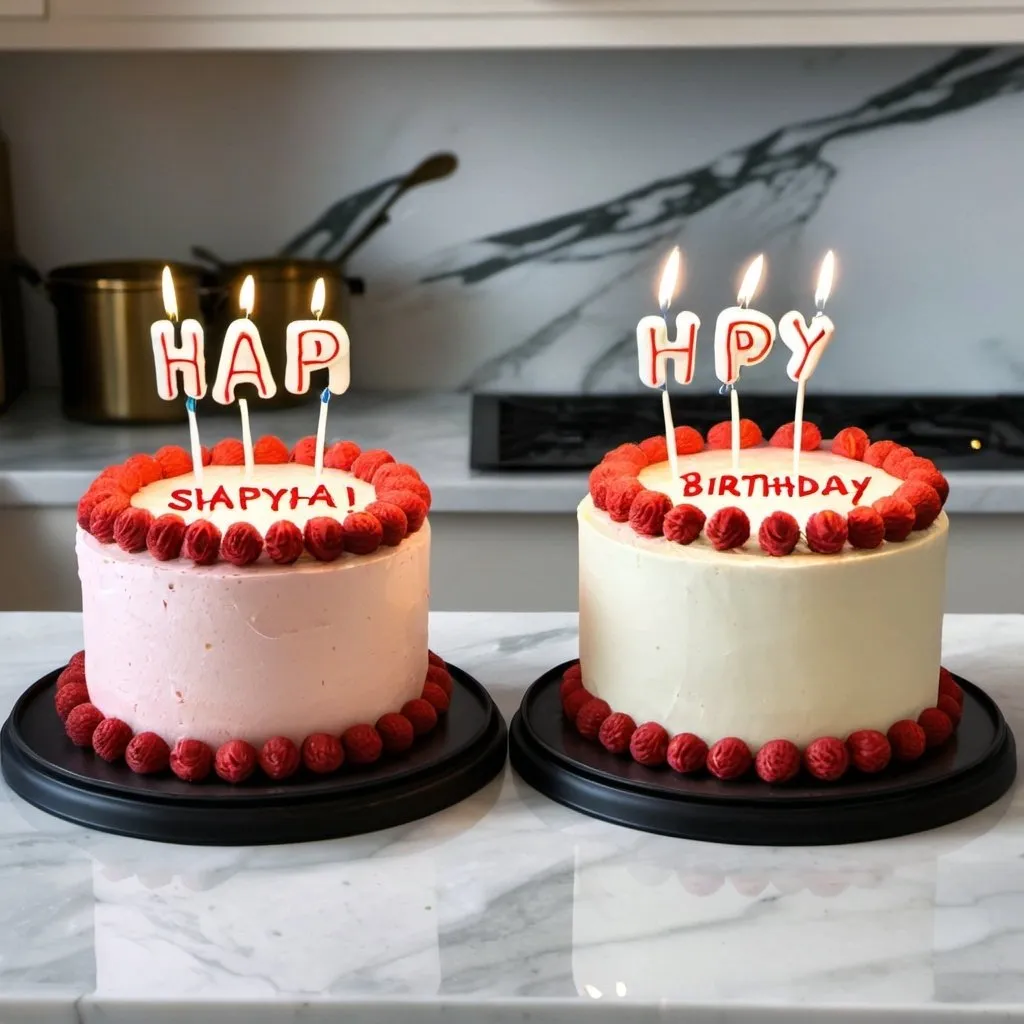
[753,617]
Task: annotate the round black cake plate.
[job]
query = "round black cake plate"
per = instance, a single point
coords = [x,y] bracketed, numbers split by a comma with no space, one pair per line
[969,772]
[461,755]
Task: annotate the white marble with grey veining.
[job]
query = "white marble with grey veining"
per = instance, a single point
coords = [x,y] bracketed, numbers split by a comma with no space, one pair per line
[47,460]
[508,908]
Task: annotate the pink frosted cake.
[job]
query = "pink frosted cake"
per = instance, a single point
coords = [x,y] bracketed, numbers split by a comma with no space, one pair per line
[262,620]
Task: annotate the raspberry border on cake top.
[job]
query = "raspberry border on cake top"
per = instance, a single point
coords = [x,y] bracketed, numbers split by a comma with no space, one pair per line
[615,488]
[402,503]
[278,758]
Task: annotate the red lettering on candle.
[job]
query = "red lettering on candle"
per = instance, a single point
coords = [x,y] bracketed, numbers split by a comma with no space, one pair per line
[727,485]
[691,484]
[750,339]
[247,494]
[313,354]
[293,502]
[782,483]
[859,487]
[809,344]
[752,481]
[275,497]
[251,374]
[685,353]
[834,484]
[183,359]
[322,494]
[181,500]
[807,486]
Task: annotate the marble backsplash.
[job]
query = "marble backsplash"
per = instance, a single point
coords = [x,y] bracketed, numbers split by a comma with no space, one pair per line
[529,268]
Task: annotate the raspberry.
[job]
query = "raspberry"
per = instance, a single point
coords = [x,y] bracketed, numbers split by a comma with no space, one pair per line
[229,452]
[242,544]
[683,524]
[191,760]
[279,758]
[392,471]
[396,732]
[937,726]
[81,723]
[728,528]
[649,744]
[104,517]
[145,467]
[729,758]
[421,714]
[575,700]
[686,753]
[810,437]
[435,697]
[616,732]
[369,462]
[269,450]
[924,500]
[173,460]
[414,507]
[284,542]
[325,538]
[951,708]
[165,537]
[907,740]
[77,660]
[688,441]
[621,493]
[436,659]
[363,533]
[72,674]
[777,761]
[875,454]
[826,532]
[68,697]
[631,453]
[441,677]
[147,754]
[647,513]
[304,452]
[895,459]
[110,739]
[573,674]
[827,758]
[407,483]
[363,744]
[591,716]
[851,443]
[779,534]
[322,753]
[393,522]
[931,477]
[235,761]
[341,455]
[202,542]
[131,529]
[720,435]
[898,515]
[947,685]
[865,527]
[656,448]
[869,750]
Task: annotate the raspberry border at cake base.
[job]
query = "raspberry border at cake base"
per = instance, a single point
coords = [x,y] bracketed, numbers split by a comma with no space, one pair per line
[456,759]
[965,774]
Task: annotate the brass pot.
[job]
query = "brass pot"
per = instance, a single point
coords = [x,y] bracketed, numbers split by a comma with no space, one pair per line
[104,312]
[284,288]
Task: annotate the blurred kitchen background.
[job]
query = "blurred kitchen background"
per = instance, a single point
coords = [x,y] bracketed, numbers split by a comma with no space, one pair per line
[495,311]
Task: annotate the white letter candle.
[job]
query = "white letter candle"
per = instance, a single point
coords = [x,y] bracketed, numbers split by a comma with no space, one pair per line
[743,337]
[655,349]
[186,358]
[244,361]
[807,342]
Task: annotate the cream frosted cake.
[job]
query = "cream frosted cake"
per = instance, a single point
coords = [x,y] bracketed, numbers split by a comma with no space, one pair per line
[746,616]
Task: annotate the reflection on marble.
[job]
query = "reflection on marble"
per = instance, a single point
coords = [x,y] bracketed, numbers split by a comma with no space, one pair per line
[509,907]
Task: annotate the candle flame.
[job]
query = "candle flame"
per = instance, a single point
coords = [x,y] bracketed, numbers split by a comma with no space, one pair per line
[170,299]
[247,295]
[751,280]
[825,278]
[670,278]
[316,306]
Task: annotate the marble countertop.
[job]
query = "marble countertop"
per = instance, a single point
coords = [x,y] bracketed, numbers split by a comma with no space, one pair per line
[509,908]
[46,460]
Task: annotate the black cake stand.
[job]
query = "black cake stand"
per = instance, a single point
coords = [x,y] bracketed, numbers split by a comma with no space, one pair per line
[969,772]
[461,755]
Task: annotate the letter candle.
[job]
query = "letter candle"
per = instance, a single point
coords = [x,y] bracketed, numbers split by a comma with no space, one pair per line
[186,357]
[743,337]
[654,349]
[807,342]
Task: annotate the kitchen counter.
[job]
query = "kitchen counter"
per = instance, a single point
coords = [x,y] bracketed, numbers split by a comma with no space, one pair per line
[509,908]
[47,461]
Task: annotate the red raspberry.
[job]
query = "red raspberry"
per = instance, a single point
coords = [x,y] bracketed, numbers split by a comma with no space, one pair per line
[396,732]
[729,758]
[363,744]
[616,732]
[869,750]
[924,500]
[414,507]
[572,679]
[236,760]
[683,524]
[895,459]
[72,674]
[602,475]
[947,685]
[202,542]
[173,460]
[720,435]
[826,532]
[686,753]
[393,523]
[392,471]
[851,443]
[689,441]
[937,726]
[304,452]
[898,515]
[191,760]
[284,542]
[631,453]
[728,528]
[131,529]
[369,462]
[145,467]
[322,753]
[441,677]
[573,701]
[341,455]
[907,740]
[279,758]
[77,660]
[229,452]
[406,483]
[104,516]
[591,716]
[876,453]
[242,544]
[68,697]
[325,538]
[907,466]
[147,753]
[951,708]
[649,744]
[436,659]
[165,537]
[435,697]
[421,714]
[932,477]
[622,491]
[81,723]
[363,533]
[810,437]
[827,758]
[269,450]
[865,527]
[777,761]
[110,739]
[656,448]
[779,534]
[647,513]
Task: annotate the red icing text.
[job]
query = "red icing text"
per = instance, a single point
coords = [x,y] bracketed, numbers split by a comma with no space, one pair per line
[760,485]
[241,499]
